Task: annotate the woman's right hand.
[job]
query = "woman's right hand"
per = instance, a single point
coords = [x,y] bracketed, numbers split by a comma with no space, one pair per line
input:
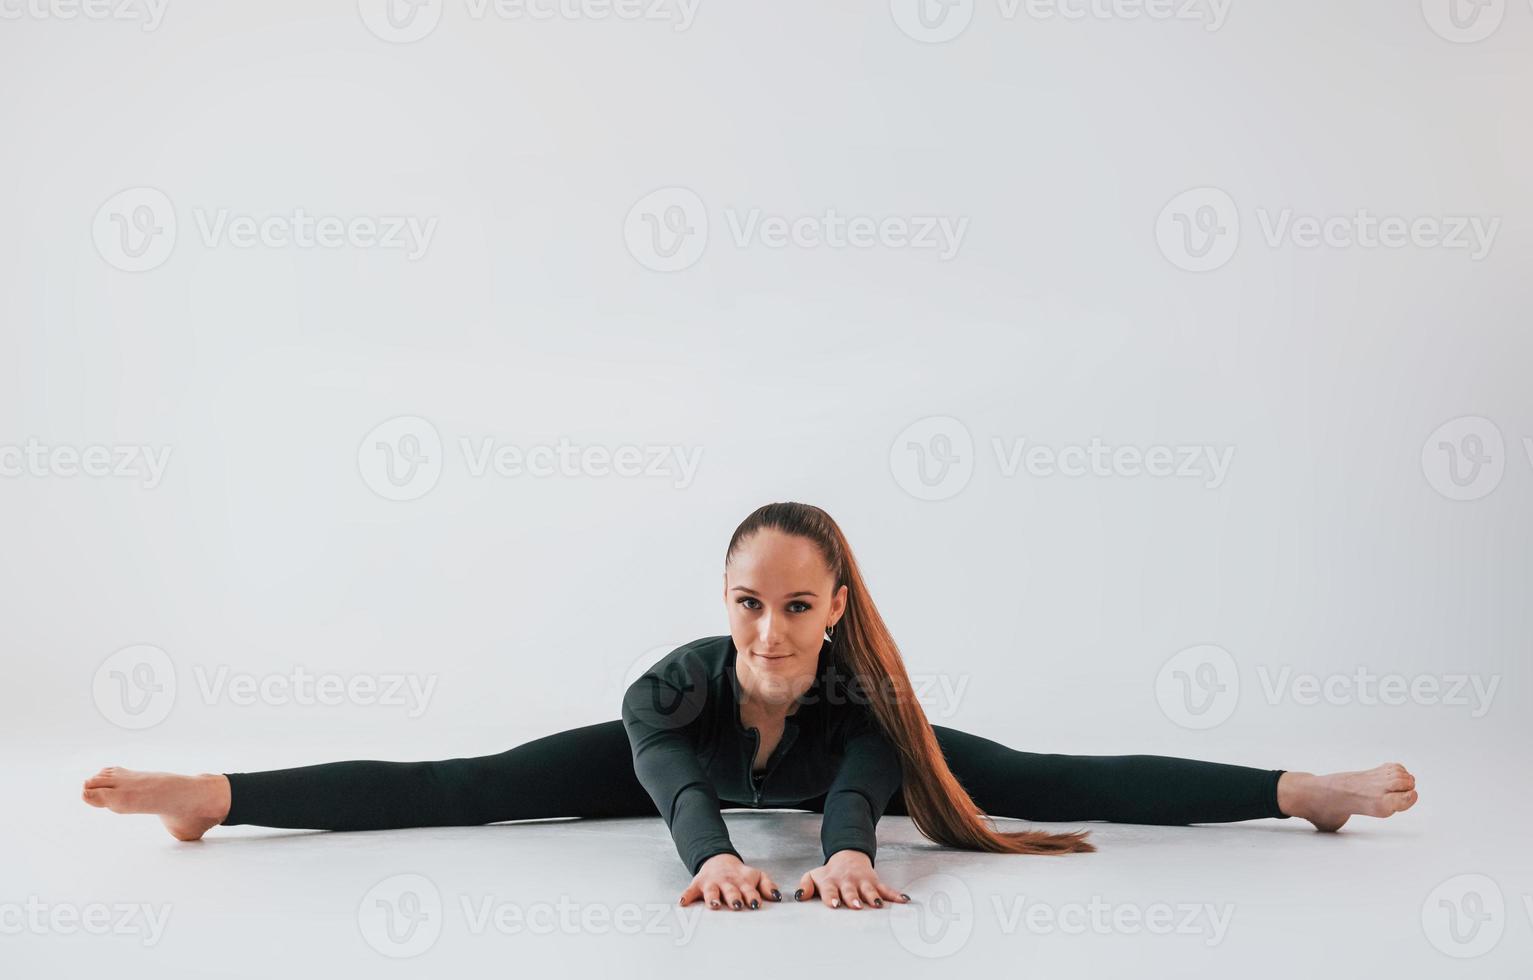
[725,881]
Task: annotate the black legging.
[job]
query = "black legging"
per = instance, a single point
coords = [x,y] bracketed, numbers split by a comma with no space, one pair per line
[588,772]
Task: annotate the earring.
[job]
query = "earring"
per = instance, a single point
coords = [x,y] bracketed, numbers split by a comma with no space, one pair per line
[830,631]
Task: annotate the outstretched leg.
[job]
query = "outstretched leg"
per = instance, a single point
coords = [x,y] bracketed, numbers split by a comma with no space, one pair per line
[1155,789]
[583,772]
[1149,789]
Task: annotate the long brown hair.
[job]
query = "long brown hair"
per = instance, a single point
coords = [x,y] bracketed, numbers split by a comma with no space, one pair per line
[938,804]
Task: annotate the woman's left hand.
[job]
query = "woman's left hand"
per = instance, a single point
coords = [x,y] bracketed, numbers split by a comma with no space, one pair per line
[847,880]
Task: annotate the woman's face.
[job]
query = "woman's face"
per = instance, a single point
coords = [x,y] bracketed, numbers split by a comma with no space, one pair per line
[780,596]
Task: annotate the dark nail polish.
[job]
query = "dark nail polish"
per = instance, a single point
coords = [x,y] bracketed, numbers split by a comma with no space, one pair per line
[755,904]
[798,896]
[776,895]
[904,897]
[879,902]
[737,903]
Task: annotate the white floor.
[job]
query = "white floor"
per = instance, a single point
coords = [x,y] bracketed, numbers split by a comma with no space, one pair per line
[591,898]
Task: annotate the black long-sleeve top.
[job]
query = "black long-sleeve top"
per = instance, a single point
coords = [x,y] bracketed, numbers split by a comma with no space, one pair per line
[693,754]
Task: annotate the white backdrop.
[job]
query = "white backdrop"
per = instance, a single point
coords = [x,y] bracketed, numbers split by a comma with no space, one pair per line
[911,265]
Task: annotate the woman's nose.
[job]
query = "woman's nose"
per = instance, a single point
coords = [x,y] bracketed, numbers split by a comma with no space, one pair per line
[770,633]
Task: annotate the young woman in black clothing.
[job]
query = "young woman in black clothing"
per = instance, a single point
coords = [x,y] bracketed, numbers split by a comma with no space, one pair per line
[806,703]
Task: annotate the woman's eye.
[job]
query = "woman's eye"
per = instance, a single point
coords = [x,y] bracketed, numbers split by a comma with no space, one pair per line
[795,606]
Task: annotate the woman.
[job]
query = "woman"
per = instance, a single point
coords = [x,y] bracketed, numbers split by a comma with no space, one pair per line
[805,704]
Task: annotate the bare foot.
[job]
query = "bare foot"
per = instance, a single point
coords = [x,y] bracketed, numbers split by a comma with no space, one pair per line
[1327,801]
[188,806]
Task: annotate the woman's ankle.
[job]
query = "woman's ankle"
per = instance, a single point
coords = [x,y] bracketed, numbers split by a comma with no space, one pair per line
[216,796]
[1294,793]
